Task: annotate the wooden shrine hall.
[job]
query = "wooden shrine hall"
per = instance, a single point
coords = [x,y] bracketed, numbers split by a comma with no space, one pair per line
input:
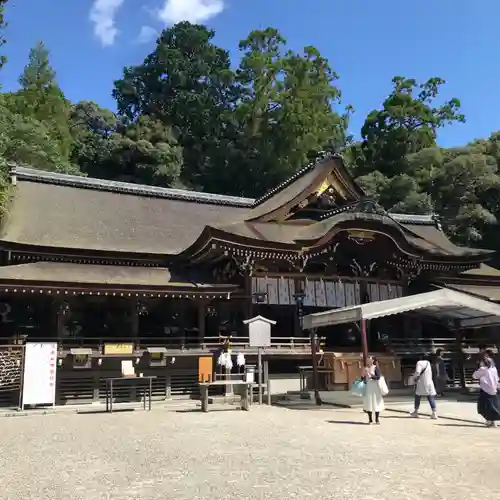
[113,271]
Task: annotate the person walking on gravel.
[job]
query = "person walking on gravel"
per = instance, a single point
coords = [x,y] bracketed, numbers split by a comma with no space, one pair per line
[488,404]
[439,374]
[373,400]
[424,386]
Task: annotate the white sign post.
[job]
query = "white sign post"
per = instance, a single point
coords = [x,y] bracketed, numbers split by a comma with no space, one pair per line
[39,380]
[259,332]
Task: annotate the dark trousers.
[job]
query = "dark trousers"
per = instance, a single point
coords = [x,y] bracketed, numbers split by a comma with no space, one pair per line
[431,399]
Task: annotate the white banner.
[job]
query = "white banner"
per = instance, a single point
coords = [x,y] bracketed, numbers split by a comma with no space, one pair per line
[39,384]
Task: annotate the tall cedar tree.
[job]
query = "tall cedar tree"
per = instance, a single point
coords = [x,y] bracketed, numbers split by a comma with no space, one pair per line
[41,98]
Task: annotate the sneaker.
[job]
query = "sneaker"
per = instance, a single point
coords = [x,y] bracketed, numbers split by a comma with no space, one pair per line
[434,416]
[414,414]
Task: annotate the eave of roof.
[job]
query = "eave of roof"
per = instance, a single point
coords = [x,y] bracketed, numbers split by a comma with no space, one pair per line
[484,292]
[54,277]
[482,271]
[426,219]
[295,237]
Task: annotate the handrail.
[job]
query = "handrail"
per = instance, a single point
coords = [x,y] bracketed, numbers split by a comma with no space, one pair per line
[435,341]
[140,343]
[426,344]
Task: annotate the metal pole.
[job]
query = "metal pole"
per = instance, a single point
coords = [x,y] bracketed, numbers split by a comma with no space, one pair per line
[259,377]
[314,359]
[364,342]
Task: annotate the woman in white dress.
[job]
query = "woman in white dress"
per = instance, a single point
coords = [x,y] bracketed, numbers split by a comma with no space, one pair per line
[373,401]
[424,386]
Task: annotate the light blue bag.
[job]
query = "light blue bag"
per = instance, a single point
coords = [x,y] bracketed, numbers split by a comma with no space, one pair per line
[358,388]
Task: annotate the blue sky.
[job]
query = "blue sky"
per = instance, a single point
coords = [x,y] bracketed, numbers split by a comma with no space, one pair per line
[367,43]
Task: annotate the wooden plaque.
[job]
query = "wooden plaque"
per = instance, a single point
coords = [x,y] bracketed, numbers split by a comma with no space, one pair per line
[118,348]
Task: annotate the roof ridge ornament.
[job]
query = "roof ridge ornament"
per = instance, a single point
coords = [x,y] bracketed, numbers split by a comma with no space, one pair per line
[368,206]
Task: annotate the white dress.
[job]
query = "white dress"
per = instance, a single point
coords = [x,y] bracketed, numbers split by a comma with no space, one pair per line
[425,385]
[373,399]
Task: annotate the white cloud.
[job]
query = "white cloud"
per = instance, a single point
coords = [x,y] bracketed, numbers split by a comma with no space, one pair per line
[102,14]
[147,34]
[194,11]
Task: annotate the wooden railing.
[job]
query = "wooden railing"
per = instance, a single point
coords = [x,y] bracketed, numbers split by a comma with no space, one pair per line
[409,349]
[207,343]
[415,346]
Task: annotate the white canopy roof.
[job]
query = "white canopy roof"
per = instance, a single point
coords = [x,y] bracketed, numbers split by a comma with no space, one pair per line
[469,311]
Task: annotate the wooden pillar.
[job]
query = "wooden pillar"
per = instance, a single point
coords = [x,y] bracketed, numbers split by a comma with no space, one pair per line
[314,360]
[134,323]
[267,381]
[58,319]
[202,308]
[248,312]
[366,325]
[182,322]
[460,357]
[364,341]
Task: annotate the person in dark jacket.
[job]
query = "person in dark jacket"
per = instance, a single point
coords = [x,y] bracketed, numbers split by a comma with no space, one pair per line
[439,374]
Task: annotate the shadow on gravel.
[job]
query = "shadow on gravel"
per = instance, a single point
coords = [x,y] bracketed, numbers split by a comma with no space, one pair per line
[104,412]
[346,422]
[462,425]
[211,410]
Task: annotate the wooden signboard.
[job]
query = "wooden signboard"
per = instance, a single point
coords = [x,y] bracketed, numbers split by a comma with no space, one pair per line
[118,348]
[205,368]
[39,381]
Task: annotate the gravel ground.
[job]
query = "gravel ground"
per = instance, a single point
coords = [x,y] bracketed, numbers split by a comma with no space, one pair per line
[267,453]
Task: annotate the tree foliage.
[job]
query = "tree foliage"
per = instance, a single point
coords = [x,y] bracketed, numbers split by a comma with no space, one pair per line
[241,131]
[399,162]
[106,147]
[3,25]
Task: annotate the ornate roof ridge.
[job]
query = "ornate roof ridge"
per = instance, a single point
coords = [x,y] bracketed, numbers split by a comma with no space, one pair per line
[322,157]
[42,176]
[424,220]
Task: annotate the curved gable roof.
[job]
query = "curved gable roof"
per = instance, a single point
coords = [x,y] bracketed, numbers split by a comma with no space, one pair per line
[298,187]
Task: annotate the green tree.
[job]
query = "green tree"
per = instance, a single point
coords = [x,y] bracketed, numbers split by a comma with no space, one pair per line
[186,83]
[41,98]
[3,25]
[4,185]
[285,113]
[461,189]
[407,123]
[144,151]
[397,160]
[242,132]
[27,141]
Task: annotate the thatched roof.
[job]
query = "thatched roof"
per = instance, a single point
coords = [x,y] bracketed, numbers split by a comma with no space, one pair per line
[65,213]
[71,212]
